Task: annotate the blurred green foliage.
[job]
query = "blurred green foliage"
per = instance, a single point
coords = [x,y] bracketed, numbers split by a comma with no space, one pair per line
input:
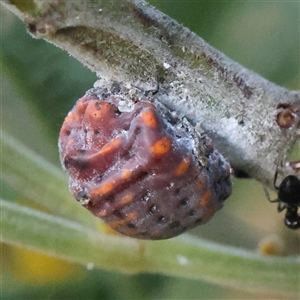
[39,85]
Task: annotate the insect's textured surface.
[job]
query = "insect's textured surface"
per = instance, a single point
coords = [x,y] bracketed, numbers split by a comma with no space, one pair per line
[141,169]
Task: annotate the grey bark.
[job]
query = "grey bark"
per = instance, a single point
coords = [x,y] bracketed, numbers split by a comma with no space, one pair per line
[132,42]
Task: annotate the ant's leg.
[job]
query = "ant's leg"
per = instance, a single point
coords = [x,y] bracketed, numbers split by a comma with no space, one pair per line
[268,196]
[276,187]
[275,179]
[281,206]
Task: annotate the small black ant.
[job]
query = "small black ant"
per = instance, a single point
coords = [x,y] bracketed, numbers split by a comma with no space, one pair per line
[288,198]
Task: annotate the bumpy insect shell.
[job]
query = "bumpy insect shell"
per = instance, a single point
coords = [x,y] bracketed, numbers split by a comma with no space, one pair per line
[142,170]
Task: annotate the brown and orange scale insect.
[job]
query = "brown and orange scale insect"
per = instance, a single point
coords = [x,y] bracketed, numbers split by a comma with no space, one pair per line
[147,174]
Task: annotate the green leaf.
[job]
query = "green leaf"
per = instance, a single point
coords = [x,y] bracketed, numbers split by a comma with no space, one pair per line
[182,256]
[35,178]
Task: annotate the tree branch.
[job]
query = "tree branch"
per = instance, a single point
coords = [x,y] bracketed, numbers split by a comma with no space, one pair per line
[252,122]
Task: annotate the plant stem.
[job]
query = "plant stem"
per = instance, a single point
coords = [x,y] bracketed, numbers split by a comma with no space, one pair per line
[182,256]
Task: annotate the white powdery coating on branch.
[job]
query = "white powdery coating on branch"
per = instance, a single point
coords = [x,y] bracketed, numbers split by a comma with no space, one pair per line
[244,130]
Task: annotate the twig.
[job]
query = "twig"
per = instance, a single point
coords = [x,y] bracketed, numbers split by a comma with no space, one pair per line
[253,122]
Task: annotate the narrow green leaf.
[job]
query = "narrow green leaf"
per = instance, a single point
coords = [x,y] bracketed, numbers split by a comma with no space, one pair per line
[182,256]
[35,178]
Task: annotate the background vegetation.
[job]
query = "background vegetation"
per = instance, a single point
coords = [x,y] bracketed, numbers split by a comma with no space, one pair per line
[40,83]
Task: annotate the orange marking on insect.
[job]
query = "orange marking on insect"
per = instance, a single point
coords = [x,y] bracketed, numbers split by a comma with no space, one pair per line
[131,216]
[149,119]
[115,224]
[127,199]
[69,118]
[182,167]
[126,174]
[205,198]
[102,213]
[70,142]
[162,146]
[75,116]
[119,223]
[80,105]
[103,189]
[109,147]
[130,232]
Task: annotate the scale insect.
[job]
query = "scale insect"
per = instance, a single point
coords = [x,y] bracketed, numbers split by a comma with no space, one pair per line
[139,167]
[288,198]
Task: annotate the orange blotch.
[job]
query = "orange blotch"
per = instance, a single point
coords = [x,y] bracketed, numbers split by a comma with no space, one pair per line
[69,118]
[127,199]
[182,167]
[70,142]
[109,147]
[102,213]
[81,105]
[149,119]
[130,232]
[103,189]
[77,117]
[131,216]
[126,174]
[204,201]
[161,147]
[117,224]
